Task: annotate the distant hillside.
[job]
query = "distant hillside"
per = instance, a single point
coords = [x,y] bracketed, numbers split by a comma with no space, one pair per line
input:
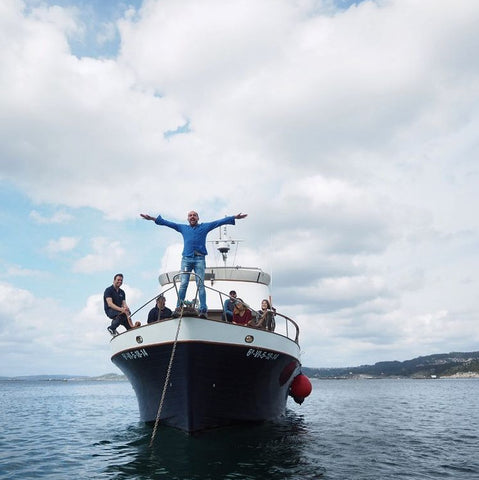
[65,378]
[439,365]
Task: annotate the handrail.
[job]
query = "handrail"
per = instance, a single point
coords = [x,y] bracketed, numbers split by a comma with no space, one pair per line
[223,296]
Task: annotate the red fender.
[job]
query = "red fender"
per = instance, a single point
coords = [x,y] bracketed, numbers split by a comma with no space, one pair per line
[300,388]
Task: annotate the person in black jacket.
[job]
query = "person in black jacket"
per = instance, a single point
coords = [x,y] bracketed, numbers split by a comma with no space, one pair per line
[160,311]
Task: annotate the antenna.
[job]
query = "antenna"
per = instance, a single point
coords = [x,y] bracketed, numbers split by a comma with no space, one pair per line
[224,243]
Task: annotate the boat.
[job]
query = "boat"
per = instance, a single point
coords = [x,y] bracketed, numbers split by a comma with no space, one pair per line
[195,373]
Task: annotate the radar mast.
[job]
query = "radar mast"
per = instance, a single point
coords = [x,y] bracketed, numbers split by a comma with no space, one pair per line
[224,243]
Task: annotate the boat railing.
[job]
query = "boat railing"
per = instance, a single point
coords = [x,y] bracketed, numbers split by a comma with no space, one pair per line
[284,325]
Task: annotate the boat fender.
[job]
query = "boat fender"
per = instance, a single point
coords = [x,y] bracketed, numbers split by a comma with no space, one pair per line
[300,388]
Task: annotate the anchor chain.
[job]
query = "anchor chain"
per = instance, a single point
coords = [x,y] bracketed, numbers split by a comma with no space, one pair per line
[167,379]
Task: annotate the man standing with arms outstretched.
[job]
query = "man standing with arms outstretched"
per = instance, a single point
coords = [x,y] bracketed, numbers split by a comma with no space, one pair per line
[194,250]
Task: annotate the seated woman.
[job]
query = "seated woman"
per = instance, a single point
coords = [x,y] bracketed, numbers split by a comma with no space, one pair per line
[241,314]
[265,317]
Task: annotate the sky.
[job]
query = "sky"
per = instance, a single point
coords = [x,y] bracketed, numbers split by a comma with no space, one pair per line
[347,131]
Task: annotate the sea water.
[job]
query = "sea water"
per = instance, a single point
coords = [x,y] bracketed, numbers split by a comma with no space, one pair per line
[346,430]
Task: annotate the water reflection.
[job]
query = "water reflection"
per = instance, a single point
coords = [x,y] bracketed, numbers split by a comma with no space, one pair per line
[276,450]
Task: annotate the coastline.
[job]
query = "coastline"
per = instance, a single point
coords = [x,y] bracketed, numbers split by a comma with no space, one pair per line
[111,377]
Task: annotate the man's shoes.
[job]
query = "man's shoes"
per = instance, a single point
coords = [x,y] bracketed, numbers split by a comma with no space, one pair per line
[176,313]
[203,315]
[114,333]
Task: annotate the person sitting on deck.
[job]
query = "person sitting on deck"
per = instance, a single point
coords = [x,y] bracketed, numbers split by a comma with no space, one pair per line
[241,314]
[265,318]
[114,304]
[160,311]
[229,307]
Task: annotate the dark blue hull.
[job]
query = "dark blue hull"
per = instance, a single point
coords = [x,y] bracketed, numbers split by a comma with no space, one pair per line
[210,384]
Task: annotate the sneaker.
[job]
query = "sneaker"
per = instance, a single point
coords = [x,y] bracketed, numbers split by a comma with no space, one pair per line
[176,313]
[114,333]
[203,315]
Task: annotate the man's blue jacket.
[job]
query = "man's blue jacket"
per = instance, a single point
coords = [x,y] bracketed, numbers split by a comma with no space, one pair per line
[194,238]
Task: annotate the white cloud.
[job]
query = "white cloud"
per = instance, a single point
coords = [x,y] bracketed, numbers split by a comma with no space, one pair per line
[107,254]
[63,244]
[57,217]
[19,271]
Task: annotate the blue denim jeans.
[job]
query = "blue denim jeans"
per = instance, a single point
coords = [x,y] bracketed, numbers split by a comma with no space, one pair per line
[198,265]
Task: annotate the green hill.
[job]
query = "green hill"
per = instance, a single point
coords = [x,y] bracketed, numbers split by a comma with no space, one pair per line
[439,365]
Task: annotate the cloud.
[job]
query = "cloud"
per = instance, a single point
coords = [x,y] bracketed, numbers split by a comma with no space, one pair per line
[63,244]
[304,93]
[19,271]
[107,254]
[57,217]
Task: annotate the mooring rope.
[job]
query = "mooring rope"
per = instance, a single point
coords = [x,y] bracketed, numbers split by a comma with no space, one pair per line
[167,379]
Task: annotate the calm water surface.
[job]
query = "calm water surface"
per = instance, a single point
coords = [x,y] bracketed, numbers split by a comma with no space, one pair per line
[346,430]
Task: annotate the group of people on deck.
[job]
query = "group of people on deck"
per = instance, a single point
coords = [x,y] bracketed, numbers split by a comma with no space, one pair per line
[193,259]
[236,311]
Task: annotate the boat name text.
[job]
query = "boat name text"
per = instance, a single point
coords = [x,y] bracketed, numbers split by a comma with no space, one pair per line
[135,354]
[253,352]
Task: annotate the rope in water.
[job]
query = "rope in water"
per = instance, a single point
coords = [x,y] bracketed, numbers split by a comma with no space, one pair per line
[167,379]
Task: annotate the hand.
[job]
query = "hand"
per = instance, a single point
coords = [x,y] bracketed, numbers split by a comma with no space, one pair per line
[240,216]
[147,217]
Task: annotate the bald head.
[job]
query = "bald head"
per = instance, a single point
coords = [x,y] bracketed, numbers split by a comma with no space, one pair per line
[193,218]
